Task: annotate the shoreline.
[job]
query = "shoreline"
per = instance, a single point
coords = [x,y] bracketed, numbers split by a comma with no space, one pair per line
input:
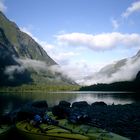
[120,119]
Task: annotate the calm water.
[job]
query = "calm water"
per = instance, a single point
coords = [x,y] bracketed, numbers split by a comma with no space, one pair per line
[10,101]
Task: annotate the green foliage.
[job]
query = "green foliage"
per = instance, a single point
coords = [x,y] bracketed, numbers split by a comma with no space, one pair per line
[24,45]
[21,45]
[7,26]
[40,88]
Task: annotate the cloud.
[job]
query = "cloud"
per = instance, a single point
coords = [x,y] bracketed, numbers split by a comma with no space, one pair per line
[3,8]
[125,73]
[40,67]
[14,69]
[76,71]
[81,71]
[36,65]
[104,41]
[135,7]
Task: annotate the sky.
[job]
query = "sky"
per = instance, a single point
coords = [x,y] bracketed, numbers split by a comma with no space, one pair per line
[82,36]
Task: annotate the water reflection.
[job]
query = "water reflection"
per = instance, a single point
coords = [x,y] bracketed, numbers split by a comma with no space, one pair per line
[9,101]
[105,98]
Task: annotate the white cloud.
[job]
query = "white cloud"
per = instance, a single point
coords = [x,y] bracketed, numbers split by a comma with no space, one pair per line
[34,64]
[80,70]
[102,41]
[3,8]
[76,71]
[62,57]
[135,7]
[11,70]
[73,71]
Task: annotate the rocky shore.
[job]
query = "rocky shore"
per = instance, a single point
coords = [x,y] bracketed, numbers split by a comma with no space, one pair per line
[120,119]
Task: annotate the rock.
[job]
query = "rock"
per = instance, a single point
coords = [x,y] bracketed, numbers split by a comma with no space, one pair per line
[99,104]
[60,112]
[64,104]
[80,104]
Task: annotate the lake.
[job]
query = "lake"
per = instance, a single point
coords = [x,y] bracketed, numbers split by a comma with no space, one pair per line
[10,101]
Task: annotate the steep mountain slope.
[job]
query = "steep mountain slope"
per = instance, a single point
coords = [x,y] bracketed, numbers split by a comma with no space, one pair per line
[23,44]
[13,76]
[113,68]
[122,70]
[133,85]
[22,56]
[129,67]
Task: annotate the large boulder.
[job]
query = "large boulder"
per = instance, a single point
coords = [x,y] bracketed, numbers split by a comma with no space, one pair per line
[80,104]
[98,104]
[62,110]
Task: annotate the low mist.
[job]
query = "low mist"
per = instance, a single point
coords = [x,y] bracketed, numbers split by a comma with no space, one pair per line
[127,72]
[80,74]
[34,66]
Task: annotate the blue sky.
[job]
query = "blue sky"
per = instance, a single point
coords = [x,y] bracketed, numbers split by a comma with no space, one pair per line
[80,35]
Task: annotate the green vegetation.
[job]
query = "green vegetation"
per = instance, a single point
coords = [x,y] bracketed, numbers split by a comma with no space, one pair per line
[14,42]
[22,43]
[40,88]
[10,32]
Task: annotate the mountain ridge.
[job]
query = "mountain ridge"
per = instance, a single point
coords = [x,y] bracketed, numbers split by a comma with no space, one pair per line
[27,58]
[24,45]
[122,70]
[123,75]
[7,54]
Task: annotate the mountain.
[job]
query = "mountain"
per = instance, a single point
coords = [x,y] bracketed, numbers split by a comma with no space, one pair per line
[121,70]
[109,70]
[123,75]
[133,86]
[6,60]
[23,44]
[23,60]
